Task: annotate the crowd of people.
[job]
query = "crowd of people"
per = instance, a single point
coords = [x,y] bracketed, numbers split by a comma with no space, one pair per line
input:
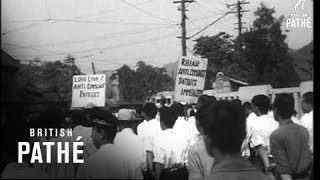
[218,140]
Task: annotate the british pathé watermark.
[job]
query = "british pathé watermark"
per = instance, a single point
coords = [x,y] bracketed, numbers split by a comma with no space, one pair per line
[299,20]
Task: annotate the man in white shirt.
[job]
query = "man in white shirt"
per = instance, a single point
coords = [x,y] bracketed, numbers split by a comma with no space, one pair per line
[251,121]
[170,148]
[107,162]
[181,126]
[261,132]
[147,131]
[131,148]
[307,118]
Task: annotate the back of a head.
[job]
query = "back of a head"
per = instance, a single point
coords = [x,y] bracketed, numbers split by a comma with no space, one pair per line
[79,117]
[284,105]
[236,102]
[226,126]
[213,99]
[178,108]
[104,120]
[168,116]
[201,115]
[262,102]
[308,98]
[204,100]
[150,109]
[247,105]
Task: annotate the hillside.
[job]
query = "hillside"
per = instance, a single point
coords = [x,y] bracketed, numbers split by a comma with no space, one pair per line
[171,68]
[303,61]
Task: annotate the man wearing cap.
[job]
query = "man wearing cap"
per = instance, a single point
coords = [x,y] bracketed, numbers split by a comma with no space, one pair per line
[107,162]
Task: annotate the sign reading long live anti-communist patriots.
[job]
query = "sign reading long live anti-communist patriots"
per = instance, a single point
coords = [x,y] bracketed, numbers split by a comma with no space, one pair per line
[190,79]
[89,89]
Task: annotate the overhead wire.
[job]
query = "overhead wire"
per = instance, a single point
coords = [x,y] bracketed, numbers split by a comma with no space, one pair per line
[100,49]
[200,3]
[213,22]
[23,28]
[101,37]
[146,12]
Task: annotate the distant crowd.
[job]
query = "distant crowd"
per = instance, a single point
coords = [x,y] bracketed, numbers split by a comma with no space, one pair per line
[217,140]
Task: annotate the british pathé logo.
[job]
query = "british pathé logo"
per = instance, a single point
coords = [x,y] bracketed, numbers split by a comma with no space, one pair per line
[301,3]
[297,19]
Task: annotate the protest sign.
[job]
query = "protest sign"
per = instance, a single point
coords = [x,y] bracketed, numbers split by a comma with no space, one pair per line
[88,89]
[190,79]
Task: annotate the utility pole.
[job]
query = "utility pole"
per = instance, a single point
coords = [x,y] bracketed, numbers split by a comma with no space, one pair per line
[239,14]
[183,25]
[93,69]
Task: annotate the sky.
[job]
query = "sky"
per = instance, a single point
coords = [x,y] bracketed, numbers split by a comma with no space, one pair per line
[111,33]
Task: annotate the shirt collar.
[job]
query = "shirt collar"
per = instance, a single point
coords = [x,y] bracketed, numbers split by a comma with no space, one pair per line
[170,130]
[264,116]
[127,131]
[233,164]
[106,147]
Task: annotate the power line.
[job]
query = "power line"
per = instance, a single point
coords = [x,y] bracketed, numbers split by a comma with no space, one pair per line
[20,29]
[26,47]
[102,37]
[104,22]
[108,11]
[78,17]
[105,48]
[199,3]
[194,24]
[212,23]
[146,12]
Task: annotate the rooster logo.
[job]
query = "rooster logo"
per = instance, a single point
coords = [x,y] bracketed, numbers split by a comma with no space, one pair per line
[300,2]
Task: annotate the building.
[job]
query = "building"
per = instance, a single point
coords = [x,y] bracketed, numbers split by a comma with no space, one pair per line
[223,83]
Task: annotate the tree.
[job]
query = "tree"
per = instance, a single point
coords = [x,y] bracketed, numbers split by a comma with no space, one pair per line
[265,48]
[220,52]
[259,56]
[48,77]
[141,84]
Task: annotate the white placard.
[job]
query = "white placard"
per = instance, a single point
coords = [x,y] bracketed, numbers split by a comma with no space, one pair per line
[190,79]
[88,89]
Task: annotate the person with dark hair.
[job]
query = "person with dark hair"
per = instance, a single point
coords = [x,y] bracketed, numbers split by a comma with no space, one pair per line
[289,143]
[246,150]
[307,119]
[170,147]
[147,131]
[247,107]
[212,99]
[181,125]
[204,100]
[199,161]
[223,142]
[236,102]
[107,162]
[260,133]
